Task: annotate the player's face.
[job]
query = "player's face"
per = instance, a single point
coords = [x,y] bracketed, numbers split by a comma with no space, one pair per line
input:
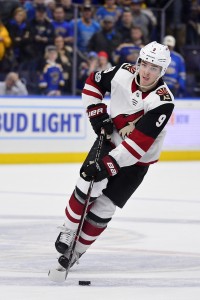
[149,73]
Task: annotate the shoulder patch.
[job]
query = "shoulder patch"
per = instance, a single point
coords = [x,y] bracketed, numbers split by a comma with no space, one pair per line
[164,94]
[97,76]
[129,67]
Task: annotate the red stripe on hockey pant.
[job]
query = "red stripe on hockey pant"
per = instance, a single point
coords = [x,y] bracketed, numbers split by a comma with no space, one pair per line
[131,150]
[142,140]
[91,93]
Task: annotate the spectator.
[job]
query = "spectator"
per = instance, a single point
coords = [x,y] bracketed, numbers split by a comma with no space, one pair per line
[143,18]
[51,79]
[5,40]
[124,4]
[19,34]
[128,52]
[13,86]
[108,9]
[86,68]
[41,34]
[177,15]
[175,76]
[65,60]
[96,2]
[103,62]
[125,23]
[62,27]
[30,7]
[95,62]
[107,39]
[68,8]
[193,24]
[7,8]
[86,27]
[50,6]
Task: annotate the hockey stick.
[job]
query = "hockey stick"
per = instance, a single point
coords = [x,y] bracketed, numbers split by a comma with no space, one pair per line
[60,274]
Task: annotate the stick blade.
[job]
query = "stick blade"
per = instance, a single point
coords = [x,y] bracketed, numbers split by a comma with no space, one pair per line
[57,275]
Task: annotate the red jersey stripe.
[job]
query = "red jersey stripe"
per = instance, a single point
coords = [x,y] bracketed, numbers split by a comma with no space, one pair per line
[91,93]
[131,150]
[140,163]
[142,140]
[90,81]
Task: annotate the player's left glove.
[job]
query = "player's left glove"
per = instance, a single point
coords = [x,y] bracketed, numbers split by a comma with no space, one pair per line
[102,169]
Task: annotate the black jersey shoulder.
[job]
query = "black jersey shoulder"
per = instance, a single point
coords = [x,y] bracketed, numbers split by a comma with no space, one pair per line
[153,122]
[103,78]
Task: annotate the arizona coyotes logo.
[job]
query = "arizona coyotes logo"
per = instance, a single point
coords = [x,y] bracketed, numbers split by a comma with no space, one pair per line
[129,67]
[164,94]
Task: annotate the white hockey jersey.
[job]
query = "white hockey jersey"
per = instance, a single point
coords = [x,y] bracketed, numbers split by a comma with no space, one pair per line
[139,117]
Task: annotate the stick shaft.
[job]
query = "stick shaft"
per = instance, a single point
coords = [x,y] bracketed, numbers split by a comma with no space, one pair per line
[101,139]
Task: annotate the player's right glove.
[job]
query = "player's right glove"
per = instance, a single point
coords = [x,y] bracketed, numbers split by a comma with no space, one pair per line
[104,168]
[99,118]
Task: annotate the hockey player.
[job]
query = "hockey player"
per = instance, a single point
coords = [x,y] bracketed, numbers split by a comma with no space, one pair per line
[140,107]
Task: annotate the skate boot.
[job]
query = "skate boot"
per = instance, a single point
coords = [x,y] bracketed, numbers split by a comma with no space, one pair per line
[64,260]
[64,239]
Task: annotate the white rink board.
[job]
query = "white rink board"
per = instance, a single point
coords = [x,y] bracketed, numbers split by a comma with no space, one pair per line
[44,125]
[57,125]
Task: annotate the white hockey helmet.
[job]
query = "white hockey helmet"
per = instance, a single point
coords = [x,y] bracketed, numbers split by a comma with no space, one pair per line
[156,54]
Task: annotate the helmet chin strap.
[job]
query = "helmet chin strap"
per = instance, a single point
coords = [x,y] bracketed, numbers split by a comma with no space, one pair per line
[146,87]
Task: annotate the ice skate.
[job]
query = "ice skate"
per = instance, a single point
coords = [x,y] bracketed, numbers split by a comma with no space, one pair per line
[64,239]
[63,260]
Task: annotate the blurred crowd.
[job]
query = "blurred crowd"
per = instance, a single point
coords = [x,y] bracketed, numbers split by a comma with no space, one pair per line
[44,43]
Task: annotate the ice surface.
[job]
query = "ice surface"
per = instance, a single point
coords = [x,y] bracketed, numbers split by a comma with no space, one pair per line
[151,249]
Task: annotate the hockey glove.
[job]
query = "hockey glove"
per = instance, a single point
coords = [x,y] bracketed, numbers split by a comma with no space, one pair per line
[99,118]
[105,168]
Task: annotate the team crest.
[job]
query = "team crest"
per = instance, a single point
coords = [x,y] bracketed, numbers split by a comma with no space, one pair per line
[164,94]
[129,67]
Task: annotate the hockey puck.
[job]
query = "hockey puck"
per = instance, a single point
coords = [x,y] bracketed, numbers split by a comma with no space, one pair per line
[87,282]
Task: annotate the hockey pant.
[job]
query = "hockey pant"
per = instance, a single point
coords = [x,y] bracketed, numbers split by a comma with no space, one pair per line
[105,196]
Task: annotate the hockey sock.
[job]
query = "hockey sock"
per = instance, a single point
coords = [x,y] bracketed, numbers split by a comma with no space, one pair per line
[89,234]
[73,212]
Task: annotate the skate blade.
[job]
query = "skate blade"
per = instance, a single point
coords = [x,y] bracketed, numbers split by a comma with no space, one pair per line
[57,275]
